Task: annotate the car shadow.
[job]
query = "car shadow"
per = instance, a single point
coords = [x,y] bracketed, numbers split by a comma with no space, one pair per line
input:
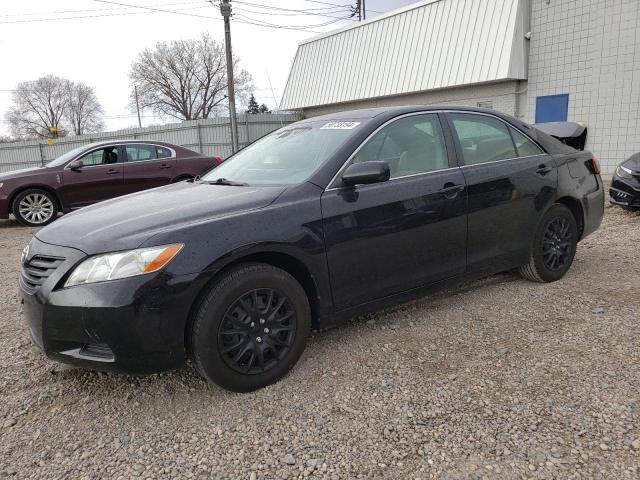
[186,382]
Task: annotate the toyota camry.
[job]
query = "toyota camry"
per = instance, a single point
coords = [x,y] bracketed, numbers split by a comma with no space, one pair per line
[313,224]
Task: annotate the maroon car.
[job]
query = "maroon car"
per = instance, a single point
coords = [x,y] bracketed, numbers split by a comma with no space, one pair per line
[95,172]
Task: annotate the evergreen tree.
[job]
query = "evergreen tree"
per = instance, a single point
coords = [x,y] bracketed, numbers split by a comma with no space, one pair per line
[264,109]
[253,105]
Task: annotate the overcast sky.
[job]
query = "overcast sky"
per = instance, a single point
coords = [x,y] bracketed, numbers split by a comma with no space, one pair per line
[100,49]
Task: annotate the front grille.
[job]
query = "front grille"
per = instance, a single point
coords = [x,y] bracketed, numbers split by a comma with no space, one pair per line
[36,270]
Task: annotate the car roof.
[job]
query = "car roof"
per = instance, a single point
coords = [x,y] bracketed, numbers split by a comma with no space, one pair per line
[369,113]
[129,142]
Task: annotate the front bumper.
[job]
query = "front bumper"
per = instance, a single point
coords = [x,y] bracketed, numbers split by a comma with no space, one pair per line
[134,325]
[625,192]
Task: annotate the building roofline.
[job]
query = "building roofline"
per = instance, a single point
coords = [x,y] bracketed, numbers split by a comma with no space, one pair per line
[391,13]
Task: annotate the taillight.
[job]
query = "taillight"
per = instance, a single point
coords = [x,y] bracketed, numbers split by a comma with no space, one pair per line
[595,166]
[217,160]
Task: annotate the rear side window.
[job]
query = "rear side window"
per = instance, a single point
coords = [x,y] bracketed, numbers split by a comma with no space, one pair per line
[524,146]
[483,138]
[163,152]
[137,153]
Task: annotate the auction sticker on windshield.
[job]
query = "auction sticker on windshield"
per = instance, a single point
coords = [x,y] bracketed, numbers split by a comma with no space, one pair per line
[340,125]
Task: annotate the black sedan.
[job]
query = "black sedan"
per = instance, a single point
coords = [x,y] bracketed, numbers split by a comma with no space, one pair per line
[625,184]
[317,222]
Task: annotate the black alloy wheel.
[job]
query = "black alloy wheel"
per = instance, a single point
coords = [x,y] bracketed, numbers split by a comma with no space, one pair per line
[557,245]
[257,331]
[553,246]
[250,327]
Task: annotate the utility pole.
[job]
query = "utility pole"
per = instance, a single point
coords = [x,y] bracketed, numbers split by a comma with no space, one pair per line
[359,10]
[135,91]
[225,10]
[364,11]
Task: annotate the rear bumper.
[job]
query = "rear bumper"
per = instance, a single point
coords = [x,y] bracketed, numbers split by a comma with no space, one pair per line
[593,206]
[625,192]
[134,325]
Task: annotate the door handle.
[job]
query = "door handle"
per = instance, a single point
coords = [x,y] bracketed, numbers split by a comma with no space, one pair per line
[543,170]
[450,190]
[164,165]
[112,172]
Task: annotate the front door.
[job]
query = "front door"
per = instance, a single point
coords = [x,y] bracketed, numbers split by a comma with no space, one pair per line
[511,182]
[147,166]
[389,237]
[100,178]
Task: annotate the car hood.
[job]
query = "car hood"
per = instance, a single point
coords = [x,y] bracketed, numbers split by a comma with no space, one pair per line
[632,163]
[126,222]
[19,173]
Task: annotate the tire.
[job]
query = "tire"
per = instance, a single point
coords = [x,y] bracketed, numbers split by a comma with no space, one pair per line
[35,207]
[554,246]
[272,336]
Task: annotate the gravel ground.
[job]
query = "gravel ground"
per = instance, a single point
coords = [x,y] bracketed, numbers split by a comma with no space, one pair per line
[499,378]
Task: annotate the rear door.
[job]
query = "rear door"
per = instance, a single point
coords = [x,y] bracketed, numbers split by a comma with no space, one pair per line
[147,166]
[389,237]
[99,179]
[511,182]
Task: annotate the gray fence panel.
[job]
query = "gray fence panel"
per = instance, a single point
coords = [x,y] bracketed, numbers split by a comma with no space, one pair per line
[211,136]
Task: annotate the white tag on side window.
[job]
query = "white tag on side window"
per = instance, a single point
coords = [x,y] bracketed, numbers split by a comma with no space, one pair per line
[339,125]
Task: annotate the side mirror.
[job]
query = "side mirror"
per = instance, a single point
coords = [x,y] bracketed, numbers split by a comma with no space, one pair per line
[76,165]
[365,173]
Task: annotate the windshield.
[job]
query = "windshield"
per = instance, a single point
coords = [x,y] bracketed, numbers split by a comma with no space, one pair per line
[65,157]
[285,157]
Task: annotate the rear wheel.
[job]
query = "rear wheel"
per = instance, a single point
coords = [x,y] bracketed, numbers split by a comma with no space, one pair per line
[35,207]
[251,327]
[554,246]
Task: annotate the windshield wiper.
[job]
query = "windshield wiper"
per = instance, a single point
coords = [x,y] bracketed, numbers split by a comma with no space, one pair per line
[231,183]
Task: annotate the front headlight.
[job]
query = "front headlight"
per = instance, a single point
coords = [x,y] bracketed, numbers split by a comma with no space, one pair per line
[624,172]
[111,266]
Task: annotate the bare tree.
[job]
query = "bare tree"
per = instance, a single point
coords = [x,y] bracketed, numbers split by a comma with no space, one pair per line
[185,79]
[84,112]
[38,108]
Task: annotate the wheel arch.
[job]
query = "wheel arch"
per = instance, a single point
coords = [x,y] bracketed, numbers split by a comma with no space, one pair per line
[46,188]
[575,206]
[285,261]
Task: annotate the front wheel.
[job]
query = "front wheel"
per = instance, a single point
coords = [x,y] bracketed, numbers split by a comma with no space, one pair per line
[554,246]
[250,328]
[35,207]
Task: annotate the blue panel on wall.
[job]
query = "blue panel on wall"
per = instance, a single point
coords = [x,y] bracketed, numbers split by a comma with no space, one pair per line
[552,108]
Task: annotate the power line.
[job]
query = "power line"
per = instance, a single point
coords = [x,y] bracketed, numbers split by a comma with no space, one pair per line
[60,12]
[77,17]
[288,26]
[287,14]
[309,10]
[334,5]
[155,9]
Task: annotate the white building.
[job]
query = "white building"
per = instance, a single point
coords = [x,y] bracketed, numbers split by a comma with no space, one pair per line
[539,60]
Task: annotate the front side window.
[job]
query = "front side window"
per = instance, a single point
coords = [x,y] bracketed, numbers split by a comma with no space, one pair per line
[102,156]
[137,153]
[287,156]
[410,145]
[482,138]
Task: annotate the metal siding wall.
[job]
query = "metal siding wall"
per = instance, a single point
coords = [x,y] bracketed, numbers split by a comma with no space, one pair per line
[432,45]
[214,135]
